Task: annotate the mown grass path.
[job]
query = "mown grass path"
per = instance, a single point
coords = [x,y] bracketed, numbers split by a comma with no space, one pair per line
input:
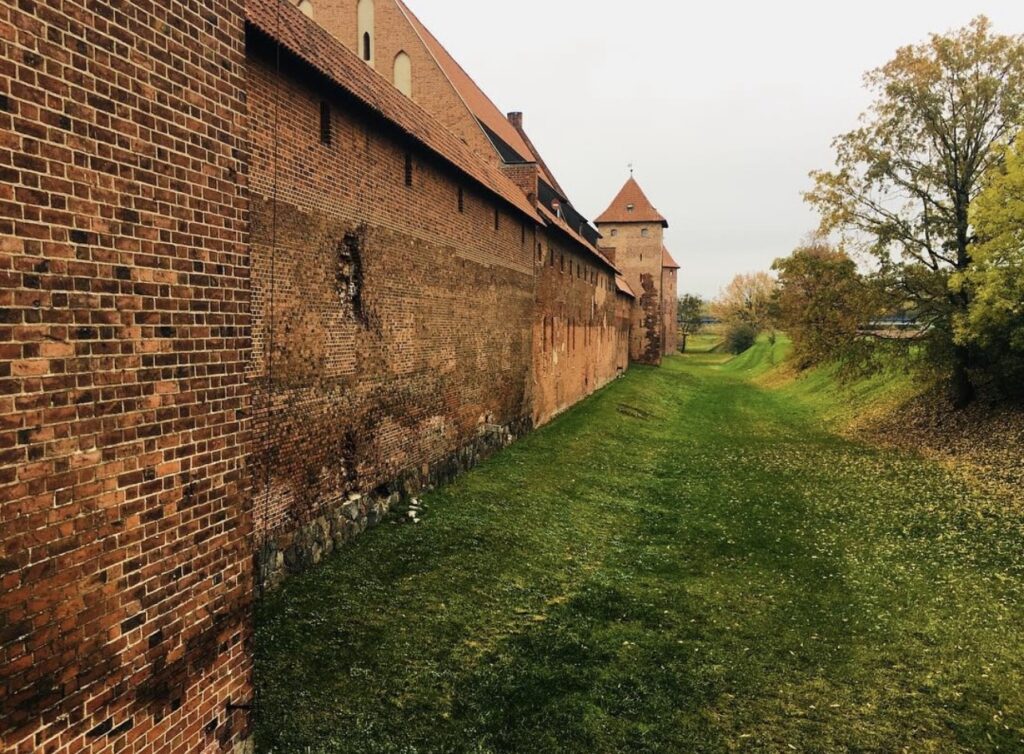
[683,563]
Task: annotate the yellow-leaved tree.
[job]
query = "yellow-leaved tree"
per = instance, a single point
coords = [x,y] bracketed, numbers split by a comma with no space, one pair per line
[994,321]
[905,179]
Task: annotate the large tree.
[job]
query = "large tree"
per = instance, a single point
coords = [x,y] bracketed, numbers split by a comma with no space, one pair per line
[906,178]
[690,310]
[823,301]
[747,300]
[994,322]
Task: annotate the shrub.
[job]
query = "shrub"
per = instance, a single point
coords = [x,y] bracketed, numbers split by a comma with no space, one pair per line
[739,337]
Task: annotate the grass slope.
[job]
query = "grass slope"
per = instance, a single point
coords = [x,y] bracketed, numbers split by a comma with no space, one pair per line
[686,562]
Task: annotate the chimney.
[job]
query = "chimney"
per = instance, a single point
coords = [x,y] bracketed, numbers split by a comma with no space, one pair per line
[516,119]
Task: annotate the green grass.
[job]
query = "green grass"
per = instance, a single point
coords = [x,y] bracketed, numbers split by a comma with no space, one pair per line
[687,562]
[703,343]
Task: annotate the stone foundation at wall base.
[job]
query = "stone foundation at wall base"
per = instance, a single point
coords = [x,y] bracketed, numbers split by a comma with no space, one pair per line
[294,552]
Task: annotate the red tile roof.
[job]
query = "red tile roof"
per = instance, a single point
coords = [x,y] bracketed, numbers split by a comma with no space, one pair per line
[553,219]
[623,286]
[476,100]
[667,262]
[642,210]
[479,103]
[306,39]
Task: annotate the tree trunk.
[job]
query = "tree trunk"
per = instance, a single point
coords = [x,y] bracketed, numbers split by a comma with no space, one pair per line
[961,387]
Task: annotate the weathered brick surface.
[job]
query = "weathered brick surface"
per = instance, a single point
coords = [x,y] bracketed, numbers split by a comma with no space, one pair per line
[580,340]
[225,341]
[670,297]
[125,569]
[639,257]
[390,329]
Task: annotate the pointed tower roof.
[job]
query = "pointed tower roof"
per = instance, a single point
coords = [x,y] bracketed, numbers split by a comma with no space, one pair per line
[631,206]
[667,262]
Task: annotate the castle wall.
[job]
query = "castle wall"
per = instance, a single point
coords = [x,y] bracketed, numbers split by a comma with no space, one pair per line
[125,568]
[639,258]
[224,342]
[670,297]
[577,334]
[392,332]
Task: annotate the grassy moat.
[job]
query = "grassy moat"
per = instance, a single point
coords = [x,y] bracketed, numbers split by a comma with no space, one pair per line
[686,562]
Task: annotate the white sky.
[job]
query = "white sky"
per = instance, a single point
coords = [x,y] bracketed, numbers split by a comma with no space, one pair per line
[723,106]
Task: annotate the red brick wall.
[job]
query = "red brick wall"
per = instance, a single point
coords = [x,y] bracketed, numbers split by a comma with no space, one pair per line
[125,574]
[670,297]
[639,258]
[391,331]
[579,340]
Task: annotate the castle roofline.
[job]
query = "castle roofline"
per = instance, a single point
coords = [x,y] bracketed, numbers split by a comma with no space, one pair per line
[310,43]
[631,205]
[667,262]
[554,221]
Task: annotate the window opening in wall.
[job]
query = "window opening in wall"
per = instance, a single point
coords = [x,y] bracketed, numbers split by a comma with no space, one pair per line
[403,73]
[497,218]
[408,169]
[561,262]
[365,29]
[462,199]
[615,232]
[325,122]
[645,232]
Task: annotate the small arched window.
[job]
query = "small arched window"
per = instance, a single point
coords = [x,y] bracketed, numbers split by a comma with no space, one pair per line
[645,232]
[403,74]
[306,7]
[365,24]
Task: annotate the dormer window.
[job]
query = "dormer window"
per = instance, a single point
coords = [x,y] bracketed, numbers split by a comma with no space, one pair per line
[630,207]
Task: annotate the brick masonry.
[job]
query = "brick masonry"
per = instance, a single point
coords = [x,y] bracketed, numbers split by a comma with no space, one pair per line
[125,575]
[636,249]
[243,316]
[391,331]
[670,298]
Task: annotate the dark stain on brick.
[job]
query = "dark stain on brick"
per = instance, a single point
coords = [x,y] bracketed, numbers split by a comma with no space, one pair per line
[102,729]
[132,623]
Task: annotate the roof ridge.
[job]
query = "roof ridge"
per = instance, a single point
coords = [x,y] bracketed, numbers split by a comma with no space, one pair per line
[500,124]
[317,47]
[419,29]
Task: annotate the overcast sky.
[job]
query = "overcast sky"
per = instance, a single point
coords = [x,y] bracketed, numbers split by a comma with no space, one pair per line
[723,107]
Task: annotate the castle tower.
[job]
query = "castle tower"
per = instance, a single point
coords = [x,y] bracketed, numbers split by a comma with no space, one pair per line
[633,233]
